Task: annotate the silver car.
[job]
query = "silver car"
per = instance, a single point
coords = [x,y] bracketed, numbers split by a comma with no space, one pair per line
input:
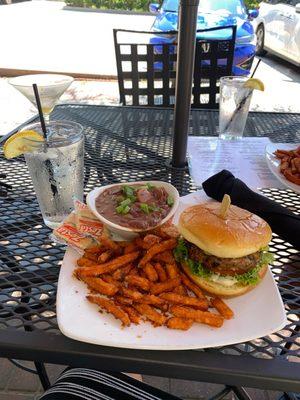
[278,29]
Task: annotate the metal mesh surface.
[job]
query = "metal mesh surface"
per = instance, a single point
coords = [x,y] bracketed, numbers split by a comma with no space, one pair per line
[126,144]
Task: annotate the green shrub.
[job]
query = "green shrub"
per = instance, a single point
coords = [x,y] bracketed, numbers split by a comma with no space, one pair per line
[251,4]
[137,5]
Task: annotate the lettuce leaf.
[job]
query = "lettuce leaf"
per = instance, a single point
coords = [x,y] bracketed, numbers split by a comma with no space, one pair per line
[251,277]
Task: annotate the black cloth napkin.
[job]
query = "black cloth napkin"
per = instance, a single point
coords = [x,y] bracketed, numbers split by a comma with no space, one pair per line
[282,221]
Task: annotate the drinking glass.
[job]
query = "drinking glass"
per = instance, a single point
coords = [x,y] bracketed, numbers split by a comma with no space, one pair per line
[234,106]
[56,169]
[50,87]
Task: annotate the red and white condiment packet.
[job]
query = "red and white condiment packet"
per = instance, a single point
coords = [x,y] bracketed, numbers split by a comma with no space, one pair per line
[68,233]
[86,222]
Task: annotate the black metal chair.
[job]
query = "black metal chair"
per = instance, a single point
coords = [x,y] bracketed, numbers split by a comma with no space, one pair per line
[147,70]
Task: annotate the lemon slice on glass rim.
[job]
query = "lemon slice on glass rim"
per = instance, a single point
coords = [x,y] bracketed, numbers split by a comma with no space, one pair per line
[254,84]
[22,142]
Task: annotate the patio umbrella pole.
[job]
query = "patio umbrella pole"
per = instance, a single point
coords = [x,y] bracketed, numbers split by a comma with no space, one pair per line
[188,11]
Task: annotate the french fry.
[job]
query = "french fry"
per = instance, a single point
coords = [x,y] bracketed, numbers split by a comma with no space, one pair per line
[133,315]
[162,276]
[120,273]
[152,300]
[172,270]
[110,279]
[181,290]
[94,249]
[158,248]
[223,308]
[179,323]
[99,285]
[86,262]
[167,286]
[204,317]
[149,240]
[130,247]
[123,300]
[110,307]
[166,256]
[91,256]
[108,243]
[150,272]
[132,294]
[191,286]
[110,266]
[171,231]
[105,256]
[150,313]
[138,241]
[134,271]
[139,282]
[174,298]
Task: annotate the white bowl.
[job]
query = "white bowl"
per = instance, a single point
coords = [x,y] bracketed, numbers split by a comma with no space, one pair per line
[121,232]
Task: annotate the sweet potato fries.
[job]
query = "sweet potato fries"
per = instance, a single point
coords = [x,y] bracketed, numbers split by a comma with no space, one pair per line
[290,164]
[141,281]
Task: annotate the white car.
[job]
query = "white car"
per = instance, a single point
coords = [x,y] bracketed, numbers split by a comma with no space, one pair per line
[278,29]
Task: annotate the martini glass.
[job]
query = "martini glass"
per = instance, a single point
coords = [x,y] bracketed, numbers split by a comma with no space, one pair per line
[50,86]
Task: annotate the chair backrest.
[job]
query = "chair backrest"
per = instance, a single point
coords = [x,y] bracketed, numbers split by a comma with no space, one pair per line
[146,65]
[213,59]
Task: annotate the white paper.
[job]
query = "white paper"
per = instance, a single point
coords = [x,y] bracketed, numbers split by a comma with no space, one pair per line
[244,158]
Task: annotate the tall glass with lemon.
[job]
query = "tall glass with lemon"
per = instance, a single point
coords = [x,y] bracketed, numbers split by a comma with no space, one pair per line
[235,97]
[55,165]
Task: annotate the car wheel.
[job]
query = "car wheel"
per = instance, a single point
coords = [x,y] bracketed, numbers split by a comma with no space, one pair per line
[260,37]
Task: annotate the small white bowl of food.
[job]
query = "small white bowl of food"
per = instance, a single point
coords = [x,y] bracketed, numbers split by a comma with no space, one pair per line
[127,209]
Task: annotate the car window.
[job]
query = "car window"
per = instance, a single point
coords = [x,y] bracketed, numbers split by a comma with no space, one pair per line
[235,7]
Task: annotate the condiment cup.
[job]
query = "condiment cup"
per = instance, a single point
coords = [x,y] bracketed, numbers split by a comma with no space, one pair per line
[119,232]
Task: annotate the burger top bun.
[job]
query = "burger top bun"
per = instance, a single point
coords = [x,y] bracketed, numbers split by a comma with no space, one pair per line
[239,234]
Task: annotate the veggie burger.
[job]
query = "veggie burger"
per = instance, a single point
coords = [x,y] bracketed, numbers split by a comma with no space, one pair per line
[226,255]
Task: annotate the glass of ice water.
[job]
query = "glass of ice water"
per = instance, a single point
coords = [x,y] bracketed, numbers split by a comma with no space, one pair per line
[56,169]
[234,106]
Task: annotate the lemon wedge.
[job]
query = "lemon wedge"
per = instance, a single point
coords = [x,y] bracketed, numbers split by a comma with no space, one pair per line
[20,143]
[254,84]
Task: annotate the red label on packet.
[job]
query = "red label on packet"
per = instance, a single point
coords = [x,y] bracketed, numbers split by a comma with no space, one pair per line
[86,222]
[68,232]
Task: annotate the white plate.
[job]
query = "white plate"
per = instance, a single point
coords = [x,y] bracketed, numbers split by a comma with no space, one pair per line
[274,163]
[257,313]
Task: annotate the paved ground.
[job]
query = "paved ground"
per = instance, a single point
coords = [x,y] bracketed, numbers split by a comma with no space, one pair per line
[46,36]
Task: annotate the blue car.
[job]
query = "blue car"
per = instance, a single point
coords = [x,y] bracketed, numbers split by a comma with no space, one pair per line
[214,13]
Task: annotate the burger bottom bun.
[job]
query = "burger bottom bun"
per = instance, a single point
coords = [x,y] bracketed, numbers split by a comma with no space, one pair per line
[220,290]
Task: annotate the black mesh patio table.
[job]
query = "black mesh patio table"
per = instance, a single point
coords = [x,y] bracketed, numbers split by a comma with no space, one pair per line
[123,144]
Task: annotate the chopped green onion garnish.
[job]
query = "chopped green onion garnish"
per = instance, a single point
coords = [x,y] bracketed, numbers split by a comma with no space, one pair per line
[132,199]
[120,199]
[170,201]
[128,191]
[126,210]
[145,208]
[125,202]
[119,209]
[150,186]
[153,208]
[123,209]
